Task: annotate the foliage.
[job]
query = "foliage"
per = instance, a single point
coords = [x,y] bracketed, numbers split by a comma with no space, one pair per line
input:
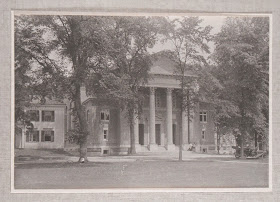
[108,55]
[241,56]
[189,39]
[59,52]
[128,54]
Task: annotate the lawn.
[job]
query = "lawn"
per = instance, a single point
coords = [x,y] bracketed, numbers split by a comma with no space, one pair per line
[195,173]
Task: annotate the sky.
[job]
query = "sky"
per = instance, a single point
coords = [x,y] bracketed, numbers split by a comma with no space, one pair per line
[215,21]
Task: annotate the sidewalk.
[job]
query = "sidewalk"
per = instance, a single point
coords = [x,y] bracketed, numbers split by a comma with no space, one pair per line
[53,156]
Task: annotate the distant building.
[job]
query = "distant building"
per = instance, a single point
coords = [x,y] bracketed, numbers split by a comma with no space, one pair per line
[157,128]
[48,127]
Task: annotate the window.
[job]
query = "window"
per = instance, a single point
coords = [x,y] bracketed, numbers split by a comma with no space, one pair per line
[47,136]
[105,115]
[33,115]
[203,117]
[157,99]
[203,133]
[32,136]
[48,116]
[105,133]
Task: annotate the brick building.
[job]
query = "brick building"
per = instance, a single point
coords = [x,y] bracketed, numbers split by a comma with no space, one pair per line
[157,128]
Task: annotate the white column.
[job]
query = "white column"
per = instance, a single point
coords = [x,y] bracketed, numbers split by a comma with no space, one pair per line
[170,143]
[136,132]
[124,134]
[152,131]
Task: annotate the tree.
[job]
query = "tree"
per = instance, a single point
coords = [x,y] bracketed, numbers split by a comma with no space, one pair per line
[242,58]
[60,51]
[190,41]
[104,54]
[130,38]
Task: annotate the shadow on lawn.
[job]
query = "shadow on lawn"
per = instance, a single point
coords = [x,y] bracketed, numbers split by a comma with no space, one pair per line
[61,165]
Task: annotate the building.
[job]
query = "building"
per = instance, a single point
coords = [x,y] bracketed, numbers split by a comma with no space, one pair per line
[48,127]
[157,128]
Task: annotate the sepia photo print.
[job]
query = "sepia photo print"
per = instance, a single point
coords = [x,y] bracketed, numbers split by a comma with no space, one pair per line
[150,101]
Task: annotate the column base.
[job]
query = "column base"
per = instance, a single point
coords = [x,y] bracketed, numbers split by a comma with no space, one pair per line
[185,147]
[170,147]
[138,148]
[153,147]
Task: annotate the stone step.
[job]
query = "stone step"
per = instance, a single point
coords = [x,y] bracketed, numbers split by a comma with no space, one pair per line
[161,149]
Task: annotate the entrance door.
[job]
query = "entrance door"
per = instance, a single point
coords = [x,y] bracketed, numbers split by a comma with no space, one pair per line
[158,134]
[174,133]
[141,134]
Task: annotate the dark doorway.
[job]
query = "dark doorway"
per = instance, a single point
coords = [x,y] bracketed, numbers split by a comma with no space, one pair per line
[158,134]
[260,142]
[141,134]
[174,133]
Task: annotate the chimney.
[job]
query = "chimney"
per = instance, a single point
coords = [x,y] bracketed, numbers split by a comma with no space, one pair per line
[83,94]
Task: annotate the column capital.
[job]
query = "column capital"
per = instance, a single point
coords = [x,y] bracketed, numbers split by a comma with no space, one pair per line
[169,90]
[152,90]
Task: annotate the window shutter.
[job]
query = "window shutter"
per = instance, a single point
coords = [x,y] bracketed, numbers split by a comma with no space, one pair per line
[43,114]
[43,136]
[52,136]
[53,118]
[37,136]
[37,115]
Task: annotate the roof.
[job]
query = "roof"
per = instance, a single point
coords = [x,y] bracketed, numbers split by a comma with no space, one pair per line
[48,102]
[159,70]
[165,66]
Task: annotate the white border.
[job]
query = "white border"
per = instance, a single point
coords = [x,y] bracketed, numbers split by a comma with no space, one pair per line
[270,101]
[12,104]
[138,190]
[140,13]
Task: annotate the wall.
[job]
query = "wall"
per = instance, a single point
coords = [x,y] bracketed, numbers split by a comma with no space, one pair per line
[209,142]
[119,131]
[58,126]
[96,126]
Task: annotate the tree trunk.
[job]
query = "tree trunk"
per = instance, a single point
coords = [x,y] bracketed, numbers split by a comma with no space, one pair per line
[82,124]
[182,110]
[242,136]
[218,141]
[242,144]
[256,140]
[132,140]
[188,114]
[180,148]
[83,153]
[242,124]
[181,136]
[131,117]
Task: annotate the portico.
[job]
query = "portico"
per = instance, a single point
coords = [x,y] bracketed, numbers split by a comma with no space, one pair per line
[162,123]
